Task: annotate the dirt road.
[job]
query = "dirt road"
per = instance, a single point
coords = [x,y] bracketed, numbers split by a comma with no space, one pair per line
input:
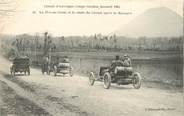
[43,95]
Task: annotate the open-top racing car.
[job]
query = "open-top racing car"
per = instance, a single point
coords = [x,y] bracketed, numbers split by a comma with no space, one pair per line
[120,75]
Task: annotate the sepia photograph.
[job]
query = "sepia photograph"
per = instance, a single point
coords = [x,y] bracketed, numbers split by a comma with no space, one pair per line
[91,58]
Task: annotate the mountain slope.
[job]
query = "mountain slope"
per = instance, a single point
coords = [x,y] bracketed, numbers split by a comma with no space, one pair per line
[153,23]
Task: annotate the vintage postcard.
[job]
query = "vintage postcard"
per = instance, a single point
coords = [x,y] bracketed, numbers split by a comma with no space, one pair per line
[91,58]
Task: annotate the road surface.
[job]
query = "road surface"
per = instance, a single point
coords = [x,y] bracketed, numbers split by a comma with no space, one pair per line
[44,95]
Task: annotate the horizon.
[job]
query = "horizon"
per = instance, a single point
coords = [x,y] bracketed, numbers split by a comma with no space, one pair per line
[41,34]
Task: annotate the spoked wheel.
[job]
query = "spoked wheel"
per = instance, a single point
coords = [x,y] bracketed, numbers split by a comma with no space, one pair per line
[91,78]
[137,81]
[107,80]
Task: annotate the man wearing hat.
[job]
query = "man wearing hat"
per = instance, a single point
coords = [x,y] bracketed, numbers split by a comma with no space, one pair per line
[127,61]
[116,62]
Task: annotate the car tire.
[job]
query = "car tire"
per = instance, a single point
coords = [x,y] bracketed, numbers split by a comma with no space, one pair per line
[107,80]
[91,78]
[136,81]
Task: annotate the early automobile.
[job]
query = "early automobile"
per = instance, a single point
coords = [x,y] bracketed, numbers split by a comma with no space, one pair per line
[121,76]
[62,66]
[20,64]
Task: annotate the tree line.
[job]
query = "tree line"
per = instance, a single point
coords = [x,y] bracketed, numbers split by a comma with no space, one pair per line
[47,43]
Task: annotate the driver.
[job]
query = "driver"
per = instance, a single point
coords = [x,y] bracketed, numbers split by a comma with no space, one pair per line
[116,62]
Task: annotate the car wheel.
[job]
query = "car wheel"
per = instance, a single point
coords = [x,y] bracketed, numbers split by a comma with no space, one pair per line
[137,81]
[91,79]
[107,80]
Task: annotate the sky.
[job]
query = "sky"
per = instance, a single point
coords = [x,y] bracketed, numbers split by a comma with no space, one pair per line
[19,18]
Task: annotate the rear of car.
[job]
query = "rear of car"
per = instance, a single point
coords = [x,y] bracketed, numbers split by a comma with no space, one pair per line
[20,64]
[64,68]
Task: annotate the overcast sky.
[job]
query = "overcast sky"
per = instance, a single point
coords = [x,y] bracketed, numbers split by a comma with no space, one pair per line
[23,21]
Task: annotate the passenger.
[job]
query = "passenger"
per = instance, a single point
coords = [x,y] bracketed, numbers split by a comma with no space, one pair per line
[65,60]
[127,61]
[116,62]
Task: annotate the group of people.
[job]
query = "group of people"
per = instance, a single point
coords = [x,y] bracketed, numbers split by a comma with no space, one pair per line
[121,62]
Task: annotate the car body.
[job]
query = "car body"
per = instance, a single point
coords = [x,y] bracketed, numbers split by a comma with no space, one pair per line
[20,64]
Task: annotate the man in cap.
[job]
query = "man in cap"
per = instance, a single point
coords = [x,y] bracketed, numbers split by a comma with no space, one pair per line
[116,62]
[127,61]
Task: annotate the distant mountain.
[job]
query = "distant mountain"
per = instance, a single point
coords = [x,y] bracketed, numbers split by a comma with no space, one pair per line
[154,22]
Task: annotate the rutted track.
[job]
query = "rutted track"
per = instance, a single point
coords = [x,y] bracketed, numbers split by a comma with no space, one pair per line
[25,94]
[14,104]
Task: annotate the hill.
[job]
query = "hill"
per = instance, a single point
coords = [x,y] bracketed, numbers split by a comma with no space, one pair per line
[155,22]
